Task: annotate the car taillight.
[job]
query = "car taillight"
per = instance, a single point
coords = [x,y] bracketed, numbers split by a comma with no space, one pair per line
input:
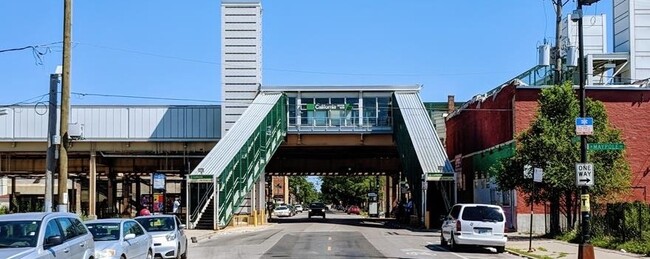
[458,225]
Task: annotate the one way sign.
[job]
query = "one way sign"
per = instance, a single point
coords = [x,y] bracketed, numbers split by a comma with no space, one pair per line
[584,174]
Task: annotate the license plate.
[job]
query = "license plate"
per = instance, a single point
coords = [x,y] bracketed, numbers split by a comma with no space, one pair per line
[484,231]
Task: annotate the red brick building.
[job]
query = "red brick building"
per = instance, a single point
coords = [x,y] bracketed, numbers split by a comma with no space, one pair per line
[482,131]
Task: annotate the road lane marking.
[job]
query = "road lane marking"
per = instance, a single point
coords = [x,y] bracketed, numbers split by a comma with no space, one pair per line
[329,248]
[329,238]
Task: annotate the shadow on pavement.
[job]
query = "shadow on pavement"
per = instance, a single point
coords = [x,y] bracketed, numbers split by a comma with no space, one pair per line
[465,249]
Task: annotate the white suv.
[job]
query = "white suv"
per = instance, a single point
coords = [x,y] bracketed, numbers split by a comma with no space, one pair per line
[45,235]
[474,224]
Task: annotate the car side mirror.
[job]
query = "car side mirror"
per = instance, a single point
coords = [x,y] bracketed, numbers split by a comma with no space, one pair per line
[53,241]
[182,226]
[129,237]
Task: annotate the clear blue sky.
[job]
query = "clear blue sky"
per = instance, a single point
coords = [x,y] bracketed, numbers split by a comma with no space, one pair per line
[171,48]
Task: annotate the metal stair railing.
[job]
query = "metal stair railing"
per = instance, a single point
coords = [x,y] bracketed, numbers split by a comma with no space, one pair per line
[445,195]
[233,197]
[204,202]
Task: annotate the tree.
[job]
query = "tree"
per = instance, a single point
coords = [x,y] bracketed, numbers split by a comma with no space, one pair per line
[304,190]
[348,190]
[550,144]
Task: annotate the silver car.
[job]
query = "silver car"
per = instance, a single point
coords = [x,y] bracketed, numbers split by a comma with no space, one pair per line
[120,238]
[44,235]
[169,240]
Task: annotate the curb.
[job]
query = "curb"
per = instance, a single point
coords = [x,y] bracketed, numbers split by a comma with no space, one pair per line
[226,231]
[512,252]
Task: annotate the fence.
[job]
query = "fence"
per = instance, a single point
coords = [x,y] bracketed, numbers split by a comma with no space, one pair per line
[623,221]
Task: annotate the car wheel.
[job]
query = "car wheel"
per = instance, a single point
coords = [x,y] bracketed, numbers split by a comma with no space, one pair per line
[501,249]
[149,255]
[309,216]
[443,242]
[178,252]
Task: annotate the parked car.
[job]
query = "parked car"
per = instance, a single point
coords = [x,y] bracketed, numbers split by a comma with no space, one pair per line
[317,209]
[298,208]
[169,240]
[120,238]
[45,235]
[354,209]
[282,211]
[474,224]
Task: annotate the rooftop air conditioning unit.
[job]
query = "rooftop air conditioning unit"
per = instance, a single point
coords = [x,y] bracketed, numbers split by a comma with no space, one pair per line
[75,131]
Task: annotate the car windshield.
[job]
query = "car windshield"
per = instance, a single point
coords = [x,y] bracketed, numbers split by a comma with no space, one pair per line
[317,205]
[482,213]
[104,231]
[281,208]
[18,233]
[157,224]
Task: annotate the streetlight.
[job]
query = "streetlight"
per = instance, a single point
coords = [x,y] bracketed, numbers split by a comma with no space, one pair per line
[585,249]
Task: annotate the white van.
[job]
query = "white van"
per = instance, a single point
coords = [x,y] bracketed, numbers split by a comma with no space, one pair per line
[474,224]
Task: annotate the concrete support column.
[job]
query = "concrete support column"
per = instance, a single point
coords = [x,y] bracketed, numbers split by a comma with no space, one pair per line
[253,201]
[77,196]
[126,196]
[12,206]
[261,201]
[388,200]
[286,189]
[92,189]
[110,199]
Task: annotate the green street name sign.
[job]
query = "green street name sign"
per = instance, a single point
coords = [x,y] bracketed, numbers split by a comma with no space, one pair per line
[605,146]
[201,178]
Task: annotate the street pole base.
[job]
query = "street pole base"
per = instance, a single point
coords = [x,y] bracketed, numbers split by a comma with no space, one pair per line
[586,251]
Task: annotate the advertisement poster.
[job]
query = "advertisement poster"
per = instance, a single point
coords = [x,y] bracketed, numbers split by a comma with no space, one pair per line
[158,181]
[158,202]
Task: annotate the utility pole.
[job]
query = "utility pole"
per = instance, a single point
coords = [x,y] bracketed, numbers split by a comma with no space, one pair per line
[65,106]
[558,41]
[52,141]
[585,249]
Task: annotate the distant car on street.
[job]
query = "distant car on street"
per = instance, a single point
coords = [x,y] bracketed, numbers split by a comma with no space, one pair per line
[45,235]
[282,211]
[120,238]
[169,240]
[354,209]
[298,208]
[317,209]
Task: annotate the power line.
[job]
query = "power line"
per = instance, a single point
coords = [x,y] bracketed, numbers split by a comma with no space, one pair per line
[144,97]
[27,101]
[36,51]
[286,69]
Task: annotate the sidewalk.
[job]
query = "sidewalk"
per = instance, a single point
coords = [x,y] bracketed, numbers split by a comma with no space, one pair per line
[201,234]
[551,248]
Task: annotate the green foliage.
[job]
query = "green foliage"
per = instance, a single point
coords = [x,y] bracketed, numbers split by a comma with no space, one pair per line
[636,246]
[548,144]
[4,210]
[304,190]
[349,190]
[571,236]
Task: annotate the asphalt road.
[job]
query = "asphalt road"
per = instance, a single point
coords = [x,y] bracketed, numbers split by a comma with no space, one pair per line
[338,236]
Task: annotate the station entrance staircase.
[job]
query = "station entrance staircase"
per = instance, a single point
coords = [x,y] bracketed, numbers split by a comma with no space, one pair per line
[220,182]
[422,155]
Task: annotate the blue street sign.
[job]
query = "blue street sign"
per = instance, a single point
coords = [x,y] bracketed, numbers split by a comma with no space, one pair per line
[584,126]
